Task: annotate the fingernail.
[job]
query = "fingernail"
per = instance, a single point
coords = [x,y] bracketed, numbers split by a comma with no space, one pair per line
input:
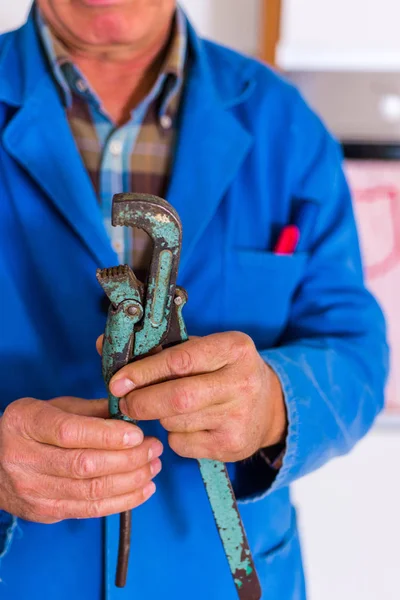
[133,438]
[155,467]
[149,489]
[121,387]
[156,450]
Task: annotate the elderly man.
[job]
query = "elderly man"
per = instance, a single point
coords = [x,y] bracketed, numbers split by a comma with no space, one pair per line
[287,365]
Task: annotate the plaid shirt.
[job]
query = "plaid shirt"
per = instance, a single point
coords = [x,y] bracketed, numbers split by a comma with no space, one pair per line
[136,157]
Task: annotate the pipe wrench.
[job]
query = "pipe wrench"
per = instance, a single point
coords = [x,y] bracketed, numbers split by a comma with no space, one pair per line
[142,317]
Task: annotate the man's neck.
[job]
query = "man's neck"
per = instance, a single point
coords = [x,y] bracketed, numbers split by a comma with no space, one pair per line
[121,78]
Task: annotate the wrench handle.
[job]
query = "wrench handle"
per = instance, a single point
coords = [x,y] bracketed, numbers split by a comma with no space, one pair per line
[125,528]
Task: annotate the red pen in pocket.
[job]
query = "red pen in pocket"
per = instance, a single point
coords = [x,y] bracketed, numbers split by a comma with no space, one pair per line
[288,240]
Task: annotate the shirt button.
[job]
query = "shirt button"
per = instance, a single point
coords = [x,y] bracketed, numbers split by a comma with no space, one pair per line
[81,86]
[166,122]
[116,148]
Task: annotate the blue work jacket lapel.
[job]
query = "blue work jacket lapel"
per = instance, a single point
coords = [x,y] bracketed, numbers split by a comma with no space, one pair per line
[38,137]
[212,145]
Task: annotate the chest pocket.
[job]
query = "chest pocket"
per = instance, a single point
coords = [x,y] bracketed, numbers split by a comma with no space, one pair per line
[260,291]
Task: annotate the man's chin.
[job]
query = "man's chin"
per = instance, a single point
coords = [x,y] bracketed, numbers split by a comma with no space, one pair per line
[101,3]
[110,28]
[101,25]
[105,28]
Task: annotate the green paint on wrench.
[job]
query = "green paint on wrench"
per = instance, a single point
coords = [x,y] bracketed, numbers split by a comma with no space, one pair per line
[221,497]
[230,528]
[162,283]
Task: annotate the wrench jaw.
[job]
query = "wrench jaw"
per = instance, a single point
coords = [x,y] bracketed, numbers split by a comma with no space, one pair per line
[120,283]
[145,211]
[161,222]
[126,310]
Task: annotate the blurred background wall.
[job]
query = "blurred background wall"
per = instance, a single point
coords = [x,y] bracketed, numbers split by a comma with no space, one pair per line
[345,56]
[340,33]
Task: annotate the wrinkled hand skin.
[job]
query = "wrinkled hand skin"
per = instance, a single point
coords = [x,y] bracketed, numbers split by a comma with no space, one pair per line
[62,459]
[214,395]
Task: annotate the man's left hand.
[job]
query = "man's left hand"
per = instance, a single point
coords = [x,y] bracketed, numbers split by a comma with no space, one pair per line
[215,396]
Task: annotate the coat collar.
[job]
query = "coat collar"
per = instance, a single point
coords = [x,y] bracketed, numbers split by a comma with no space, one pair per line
[22,64]
[211,147]
[38,137]
[212,142]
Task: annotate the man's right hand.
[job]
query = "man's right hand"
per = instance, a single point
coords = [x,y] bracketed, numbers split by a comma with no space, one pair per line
[62,459]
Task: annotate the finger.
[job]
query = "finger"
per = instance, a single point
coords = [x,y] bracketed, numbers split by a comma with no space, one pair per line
[177,397]
[90,464]
[51,425]
[99,344]
[75,509]
[194,445]
[85,408]
[197,356]
[204,420]
[98,488]
[228,445]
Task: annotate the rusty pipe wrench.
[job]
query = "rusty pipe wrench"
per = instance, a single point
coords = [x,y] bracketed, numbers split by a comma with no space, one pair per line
[142,317]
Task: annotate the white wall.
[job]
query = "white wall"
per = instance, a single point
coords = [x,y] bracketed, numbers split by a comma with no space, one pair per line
[340,34]
[13,13]
[349,517]
[234,23]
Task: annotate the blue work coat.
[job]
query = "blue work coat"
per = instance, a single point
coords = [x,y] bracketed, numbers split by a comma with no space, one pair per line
[250,156]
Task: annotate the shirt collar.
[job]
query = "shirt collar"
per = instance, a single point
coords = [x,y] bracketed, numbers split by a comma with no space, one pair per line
[70,80]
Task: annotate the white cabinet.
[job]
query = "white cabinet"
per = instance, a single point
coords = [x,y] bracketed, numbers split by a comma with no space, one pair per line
[340,35]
